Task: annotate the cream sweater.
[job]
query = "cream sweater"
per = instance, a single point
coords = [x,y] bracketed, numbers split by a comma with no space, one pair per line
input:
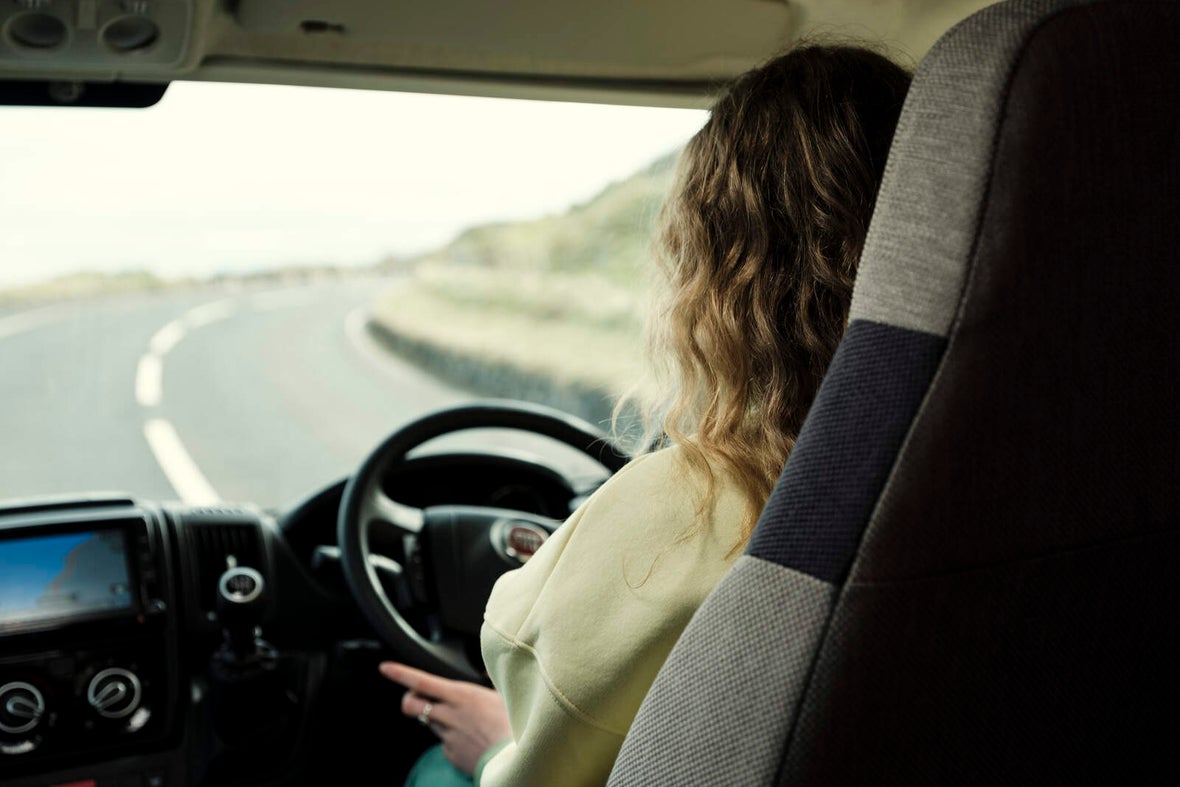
[574,638]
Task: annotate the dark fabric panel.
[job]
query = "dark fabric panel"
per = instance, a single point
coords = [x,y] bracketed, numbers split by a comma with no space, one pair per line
[822,502]
[1054,420]
[1046,671]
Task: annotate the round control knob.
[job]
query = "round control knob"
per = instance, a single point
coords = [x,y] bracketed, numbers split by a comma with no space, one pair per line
[114,693]
[21,707]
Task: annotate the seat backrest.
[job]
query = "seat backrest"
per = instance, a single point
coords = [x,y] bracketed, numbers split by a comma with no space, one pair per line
[965,573]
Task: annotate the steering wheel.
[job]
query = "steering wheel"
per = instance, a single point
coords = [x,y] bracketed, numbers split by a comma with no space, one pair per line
[457,552]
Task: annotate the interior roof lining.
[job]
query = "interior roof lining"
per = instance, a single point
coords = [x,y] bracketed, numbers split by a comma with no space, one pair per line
[222,49]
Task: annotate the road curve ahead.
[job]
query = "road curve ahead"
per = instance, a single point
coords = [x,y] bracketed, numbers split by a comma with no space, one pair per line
[261,395]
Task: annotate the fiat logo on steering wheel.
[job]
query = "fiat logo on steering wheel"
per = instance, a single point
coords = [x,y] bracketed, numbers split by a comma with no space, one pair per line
[521,540]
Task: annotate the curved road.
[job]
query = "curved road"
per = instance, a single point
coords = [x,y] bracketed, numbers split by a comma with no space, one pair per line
[204,395]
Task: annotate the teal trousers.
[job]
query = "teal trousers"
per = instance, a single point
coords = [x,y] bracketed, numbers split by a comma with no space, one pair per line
[433,769]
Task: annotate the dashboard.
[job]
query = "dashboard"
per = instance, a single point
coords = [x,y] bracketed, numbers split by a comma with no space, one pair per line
[164,645]
[88,634]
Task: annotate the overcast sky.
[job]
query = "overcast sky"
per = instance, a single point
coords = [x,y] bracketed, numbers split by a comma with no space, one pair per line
[232,177]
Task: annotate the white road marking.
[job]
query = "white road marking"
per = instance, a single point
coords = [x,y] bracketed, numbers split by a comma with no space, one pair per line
[149,375]
[355,329]
[28,320]
[200,316]
[167,337]
[182,472]
[149,380]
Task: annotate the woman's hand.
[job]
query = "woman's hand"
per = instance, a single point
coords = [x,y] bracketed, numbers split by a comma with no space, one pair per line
[466,716]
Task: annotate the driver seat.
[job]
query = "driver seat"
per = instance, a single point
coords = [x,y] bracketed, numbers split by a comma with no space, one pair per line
[966,572]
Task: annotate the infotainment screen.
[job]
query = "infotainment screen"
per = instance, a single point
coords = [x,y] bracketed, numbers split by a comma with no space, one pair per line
[66,575]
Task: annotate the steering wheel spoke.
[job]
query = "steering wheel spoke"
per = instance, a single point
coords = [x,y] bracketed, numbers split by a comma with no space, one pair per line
[378,507]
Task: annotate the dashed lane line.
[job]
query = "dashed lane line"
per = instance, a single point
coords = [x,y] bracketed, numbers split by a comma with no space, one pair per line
[200,316]
[149,380]
[181,471]
[167,337]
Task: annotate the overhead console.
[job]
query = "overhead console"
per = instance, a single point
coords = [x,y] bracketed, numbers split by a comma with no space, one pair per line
[88,634]
[98,37]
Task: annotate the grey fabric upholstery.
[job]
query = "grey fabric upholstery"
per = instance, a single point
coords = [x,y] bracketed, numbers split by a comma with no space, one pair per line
[1004,607]
[924,223]
[778,615]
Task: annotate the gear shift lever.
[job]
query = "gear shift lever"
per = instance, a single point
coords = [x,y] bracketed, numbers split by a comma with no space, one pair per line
[248,687]
[241,598]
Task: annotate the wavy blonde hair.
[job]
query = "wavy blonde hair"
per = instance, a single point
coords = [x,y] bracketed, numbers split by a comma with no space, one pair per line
[758,244]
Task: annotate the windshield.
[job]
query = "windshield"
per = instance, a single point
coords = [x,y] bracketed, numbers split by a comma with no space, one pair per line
[236,294]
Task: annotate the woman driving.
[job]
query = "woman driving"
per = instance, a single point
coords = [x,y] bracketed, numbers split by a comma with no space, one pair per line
[758,244]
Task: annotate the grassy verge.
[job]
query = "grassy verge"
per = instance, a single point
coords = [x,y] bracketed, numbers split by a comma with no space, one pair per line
[82,285]
[547,310]
[568,340]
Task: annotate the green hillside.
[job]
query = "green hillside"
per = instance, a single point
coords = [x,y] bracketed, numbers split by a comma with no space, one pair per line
[552,304]
[608,234]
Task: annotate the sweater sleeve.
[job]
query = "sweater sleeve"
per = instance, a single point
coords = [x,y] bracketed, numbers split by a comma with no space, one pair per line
[574,638]
[553,744]
[486,757]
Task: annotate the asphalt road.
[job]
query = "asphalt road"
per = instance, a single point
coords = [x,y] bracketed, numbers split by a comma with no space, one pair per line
[261,395]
